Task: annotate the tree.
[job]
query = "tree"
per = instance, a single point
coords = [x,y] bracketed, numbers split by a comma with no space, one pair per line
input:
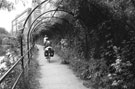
[3,31]
[109,31]
[4,4]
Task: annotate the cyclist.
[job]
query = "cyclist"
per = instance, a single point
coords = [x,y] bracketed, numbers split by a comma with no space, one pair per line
[45,39]
[48,50]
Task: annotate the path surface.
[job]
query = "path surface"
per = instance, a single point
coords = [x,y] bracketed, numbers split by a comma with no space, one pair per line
[55,75]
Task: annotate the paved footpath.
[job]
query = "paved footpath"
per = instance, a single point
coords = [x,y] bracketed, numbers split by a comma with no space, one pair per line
[55,75]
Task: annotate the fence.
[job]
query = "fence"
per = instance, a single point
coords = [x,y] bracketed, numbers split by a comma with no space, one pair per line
[30,30]
[23,66]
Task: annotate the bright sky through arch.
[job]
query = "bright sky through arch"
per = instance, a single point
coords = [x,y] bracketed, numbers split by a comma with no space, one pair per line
[6,17]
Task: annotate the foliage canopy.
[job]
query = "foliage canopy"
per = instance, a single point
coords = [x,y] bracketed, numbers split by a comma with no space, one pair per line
[100,42]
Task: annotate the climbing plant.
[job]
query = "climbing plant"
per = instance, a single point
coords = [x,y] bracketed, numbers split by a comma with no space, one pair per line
[99,43]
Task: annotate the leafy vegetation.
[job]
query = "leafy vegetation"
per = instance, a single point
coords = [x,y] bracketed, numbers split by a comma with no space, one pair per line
[4,4]
[99,43]
[28,79]
[9,55]
[3,33]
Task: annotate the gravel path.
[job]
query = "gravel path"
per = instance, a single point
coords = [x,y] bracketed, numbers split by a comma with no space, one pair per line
[55,75]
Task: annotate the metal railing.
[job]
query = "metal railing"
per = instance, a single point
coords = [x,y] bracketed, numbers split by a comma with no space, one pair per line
[13,66]
[21,59]
[22,55]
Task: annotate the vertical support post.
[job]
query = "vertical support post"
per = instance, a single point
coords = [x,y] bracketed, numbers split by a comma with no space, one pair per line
[21,42]
[22,60]
[28,52]
[29,23]
[29,56]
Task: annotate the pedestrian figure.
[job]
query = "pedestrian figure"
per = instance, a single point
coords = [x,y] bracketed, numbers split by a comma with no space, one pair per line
[45,39]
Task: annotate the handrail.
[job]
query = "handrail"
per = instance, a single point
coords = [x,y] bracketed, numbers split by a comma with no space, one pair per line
[5,75]
[22,56]
[13,87]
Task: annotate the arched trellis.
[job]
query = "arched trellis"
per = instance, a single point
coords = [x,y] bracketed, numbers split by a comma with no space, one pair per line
[31,35]
[41,23]
[32,13]
[27,21]
[38,18]
[46,17]
[22,30]
[22,56]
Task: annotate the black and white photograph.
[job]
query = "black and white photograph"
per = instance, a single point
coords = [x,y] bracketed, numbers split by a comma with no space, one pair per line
[67,44]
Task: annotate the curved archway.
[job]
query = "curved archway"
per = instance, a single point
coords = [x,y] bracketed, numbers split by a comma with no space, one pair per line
[42,23]
[26,22]
[21,42]
[39,17]
[39,22]
[34,36]
[47,17]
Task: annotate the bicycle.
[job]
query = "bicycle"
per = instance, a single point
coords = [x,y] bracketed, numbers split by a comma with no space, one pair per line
[48,53]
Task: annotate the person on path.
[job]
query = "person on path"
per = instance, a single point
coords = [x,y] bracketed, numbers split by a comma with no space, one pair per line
[45,40]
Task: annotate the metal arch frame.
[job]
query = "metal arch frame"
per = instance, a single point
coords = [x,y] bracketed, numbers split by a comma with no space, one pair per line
[40,23]
[38,26]
[22,56]
[32,13]
[36,20]
[22,30]
[36,30]
[21,37]
[47,17]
